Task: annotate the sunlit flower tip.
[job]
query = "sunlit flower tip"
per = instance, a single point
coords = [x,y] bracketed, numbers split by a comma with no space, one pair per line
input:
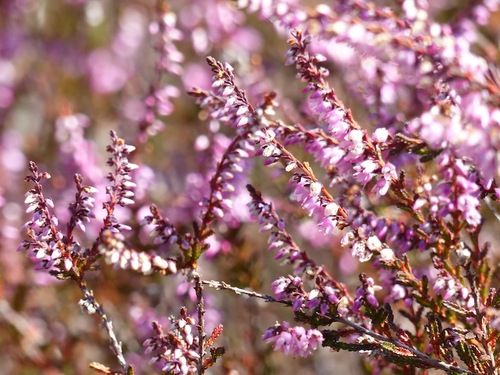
[227,175]
[313,294]
[228,90]
[125,227]
[358,149]
[126,201]
[242,121]
[266,227]
[49,202]
[386,254]
[270,135]
[228,67]
[359,251]
[40,253]
[331,209]
[373,243]
[290,166]
[68,264]
[146,268]
[228,187]
[30,198]
[419,203]
[217,83]
[315,188]
[319,57]
[132,166]
[128,148]
[275,245]
[79,224]
[380,135]
[218,212]
[159,262]
[242,109]
[356,136]
[226,204]
[32,207]
[128,194]
[268,150]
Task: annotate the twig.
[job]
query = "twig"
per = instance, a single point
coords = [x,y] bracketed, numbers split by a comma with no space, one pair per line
[220,285]
[107,324]
[200,304]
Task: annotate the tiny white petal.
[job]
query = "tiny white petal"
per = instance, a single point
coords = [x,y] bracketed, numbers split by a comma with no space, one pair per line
[315,188]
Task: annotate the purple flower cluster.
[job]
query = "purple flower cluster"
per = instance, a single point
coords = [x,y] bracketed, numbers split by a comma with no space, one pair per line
[46,243]
[120,190]
[295,341]
[374,140]
[177,351]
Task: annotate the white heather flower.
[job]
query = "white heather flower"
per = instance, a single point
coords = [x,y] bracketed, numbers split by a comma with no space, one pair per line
[356,136]
[359,250]
[386,254]
[315,188]
[358,149]
[380,135]
[270,135]
[373,243]
[347,239]
[290,166]
[268,151]
[331,209]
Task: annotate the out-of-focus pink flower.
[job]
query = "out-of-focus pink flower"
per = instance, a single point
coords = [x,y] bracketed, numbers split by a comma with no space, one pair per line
[296,341]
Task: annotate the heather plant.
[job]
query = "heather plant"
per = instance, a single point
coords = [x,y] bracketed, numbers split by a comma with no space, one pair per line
[213,185]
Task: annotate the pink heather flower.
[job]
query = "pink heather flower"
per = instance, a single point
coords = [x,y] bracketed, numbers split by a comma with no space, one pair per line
[364,171]
[469,206]
[296,341]
[383,184]
[397,292]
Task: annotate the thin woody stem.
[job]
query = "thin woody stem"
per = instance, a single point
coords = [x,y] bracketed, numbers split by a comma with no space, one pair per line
[107,324]
[200,307]
[220,285]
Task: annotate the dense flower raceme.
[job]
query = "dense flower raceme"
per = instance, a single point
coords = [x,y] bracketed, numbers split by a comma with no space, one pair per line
[47,243]
[418,48]
[53,247]
[158,102]
[178,350]
[393,184]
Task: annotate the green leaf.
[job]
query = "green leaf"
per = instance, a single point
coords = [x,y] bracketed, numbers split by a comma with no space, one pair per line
[466,354]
